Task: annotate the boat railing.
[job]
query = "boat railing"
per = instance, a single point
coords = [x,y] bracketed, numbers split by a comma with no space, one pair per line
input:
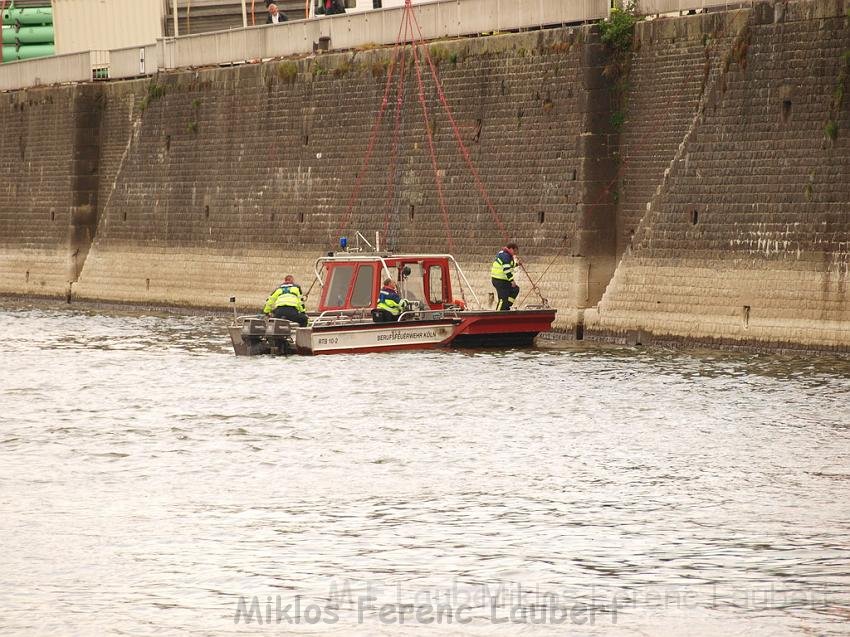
[338,317]
[426,315]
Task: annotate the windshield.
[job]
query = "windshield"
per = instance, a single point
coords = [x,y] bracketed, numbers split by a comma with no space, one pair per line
[338,287]
[362,294]
[411,282]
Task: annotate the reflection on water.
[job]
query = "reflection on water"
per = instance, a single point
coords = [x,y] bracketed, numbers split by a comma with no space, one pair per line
[150,481]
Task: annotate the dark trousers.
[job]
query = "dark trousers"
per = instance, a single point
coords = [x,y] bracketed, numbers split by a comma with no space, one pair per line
[506,292]
[290,314]
[383,316]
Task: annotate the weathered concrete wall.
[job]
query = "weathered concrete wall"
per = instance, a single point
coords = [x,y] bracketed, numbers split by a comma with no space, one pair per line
[240,174]
[747,236]
[676,60]
[719,207]
[35,201]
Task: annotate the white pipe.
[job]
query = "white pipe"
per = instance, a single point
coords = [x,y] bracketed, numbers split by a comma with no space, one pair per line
[244,16]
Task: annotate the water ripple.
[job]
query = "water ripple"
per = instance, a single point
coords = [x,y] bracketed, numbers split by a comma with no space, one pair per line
[149,479]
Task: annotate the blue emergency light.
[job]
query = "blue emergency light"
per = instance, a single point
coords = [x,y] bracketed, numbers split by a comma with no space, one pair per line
[343,243]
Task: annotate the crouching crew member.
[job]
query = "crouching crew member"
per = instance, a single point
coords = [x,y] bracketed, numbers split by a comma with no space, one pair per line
[390,304]
[286,302]
[502,275]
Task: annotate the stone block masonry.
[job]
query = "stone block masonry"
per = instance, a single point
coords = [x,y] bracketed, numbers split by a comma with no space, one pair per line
[711,204]
[35,193]
[216,182]
[746,235]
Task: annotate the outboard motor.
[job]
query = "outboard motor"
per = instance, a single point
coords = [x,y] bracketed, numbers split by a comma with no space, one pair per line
[249,338]
[278,334]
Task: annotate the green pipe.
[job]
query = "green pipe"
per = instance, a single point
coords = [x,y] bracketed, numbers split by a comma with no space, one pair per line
[29,51]
[38,15]
[28,35]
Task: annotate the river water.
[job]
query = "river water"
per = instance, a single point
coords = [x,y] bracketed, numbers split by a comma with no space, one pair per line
[153,483]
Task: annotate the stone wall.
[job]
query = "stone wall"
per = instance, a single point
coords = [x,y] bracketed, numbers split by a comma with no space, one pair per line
[677,59]
[239,175]
[37,146]
[747,236]
[710,202]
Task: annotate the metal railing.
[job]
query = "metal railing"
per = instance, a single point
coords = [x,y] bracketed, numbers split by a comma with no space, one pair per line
[658,7]
[426,315]
[80,67]
[57,69]
[133,61]
[338,317]
[439,19]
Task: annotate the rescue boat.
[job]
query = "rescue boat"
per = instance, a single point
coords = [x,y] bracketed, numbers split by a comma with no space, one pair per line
[350,284]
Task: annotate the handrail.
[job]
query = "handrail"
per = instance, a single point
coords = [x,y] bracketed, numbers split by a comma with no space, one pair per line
[463,276]
[446,314]
[438,19]
[444,18]
[331,317]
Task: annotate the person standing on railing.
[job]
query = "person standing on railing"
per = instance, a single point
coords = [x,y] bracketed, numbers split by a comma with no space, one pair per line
[286,302]
[502,276]
[275,16]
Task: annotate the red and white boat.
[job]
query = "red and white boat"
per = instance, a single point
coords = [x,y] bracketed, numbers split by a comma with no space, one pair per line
[350,284]
[351,281]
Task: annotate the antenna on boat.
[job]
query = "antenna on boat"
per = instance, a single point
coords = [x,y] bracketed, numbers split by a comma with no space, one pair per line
[358,235]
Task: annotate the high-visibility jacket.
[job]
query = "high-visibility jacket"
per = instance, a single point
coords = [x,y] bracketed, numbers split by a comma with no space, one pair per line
[288,294]
[503,266]
[390,301]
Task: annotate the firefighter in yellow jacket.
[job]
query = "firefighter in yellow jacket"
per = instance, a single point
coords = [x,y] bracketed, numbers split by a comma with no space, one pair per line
[286,302]
[502,276]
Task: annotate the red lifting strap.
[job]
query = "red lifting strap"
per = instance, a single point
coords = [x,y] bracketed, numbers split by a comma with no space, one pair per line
[412,34]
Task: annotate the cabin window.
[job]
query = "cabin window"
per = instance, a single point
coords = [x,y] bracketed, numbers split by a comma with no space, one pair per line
[435,285]
[412,283]
[340,281]
[363,286]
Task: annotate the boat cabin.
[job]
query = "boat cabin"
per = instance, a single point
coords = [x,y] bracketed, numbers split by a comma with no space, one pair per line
[353,281]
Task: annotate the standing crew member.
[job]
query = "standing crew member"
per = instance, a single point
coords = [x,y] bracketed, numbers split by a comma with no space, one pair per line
[502,275]
[286,302]
[390,304]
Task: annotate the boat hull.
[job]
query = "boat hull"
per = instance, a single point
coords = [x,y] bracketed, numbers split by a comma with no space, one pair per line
[464,329]
[516,328]
[495,327]
[374,337]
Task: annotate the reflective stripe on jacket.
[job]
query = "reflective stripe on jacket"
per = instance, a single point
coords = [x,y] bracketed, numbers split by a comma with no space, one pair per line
[390,301]
[288,294]
[503,266]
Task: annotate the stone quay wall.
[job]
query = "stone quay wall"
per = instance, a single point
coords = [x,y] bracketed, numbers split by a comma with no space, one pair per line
[704,194]
[739,228]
